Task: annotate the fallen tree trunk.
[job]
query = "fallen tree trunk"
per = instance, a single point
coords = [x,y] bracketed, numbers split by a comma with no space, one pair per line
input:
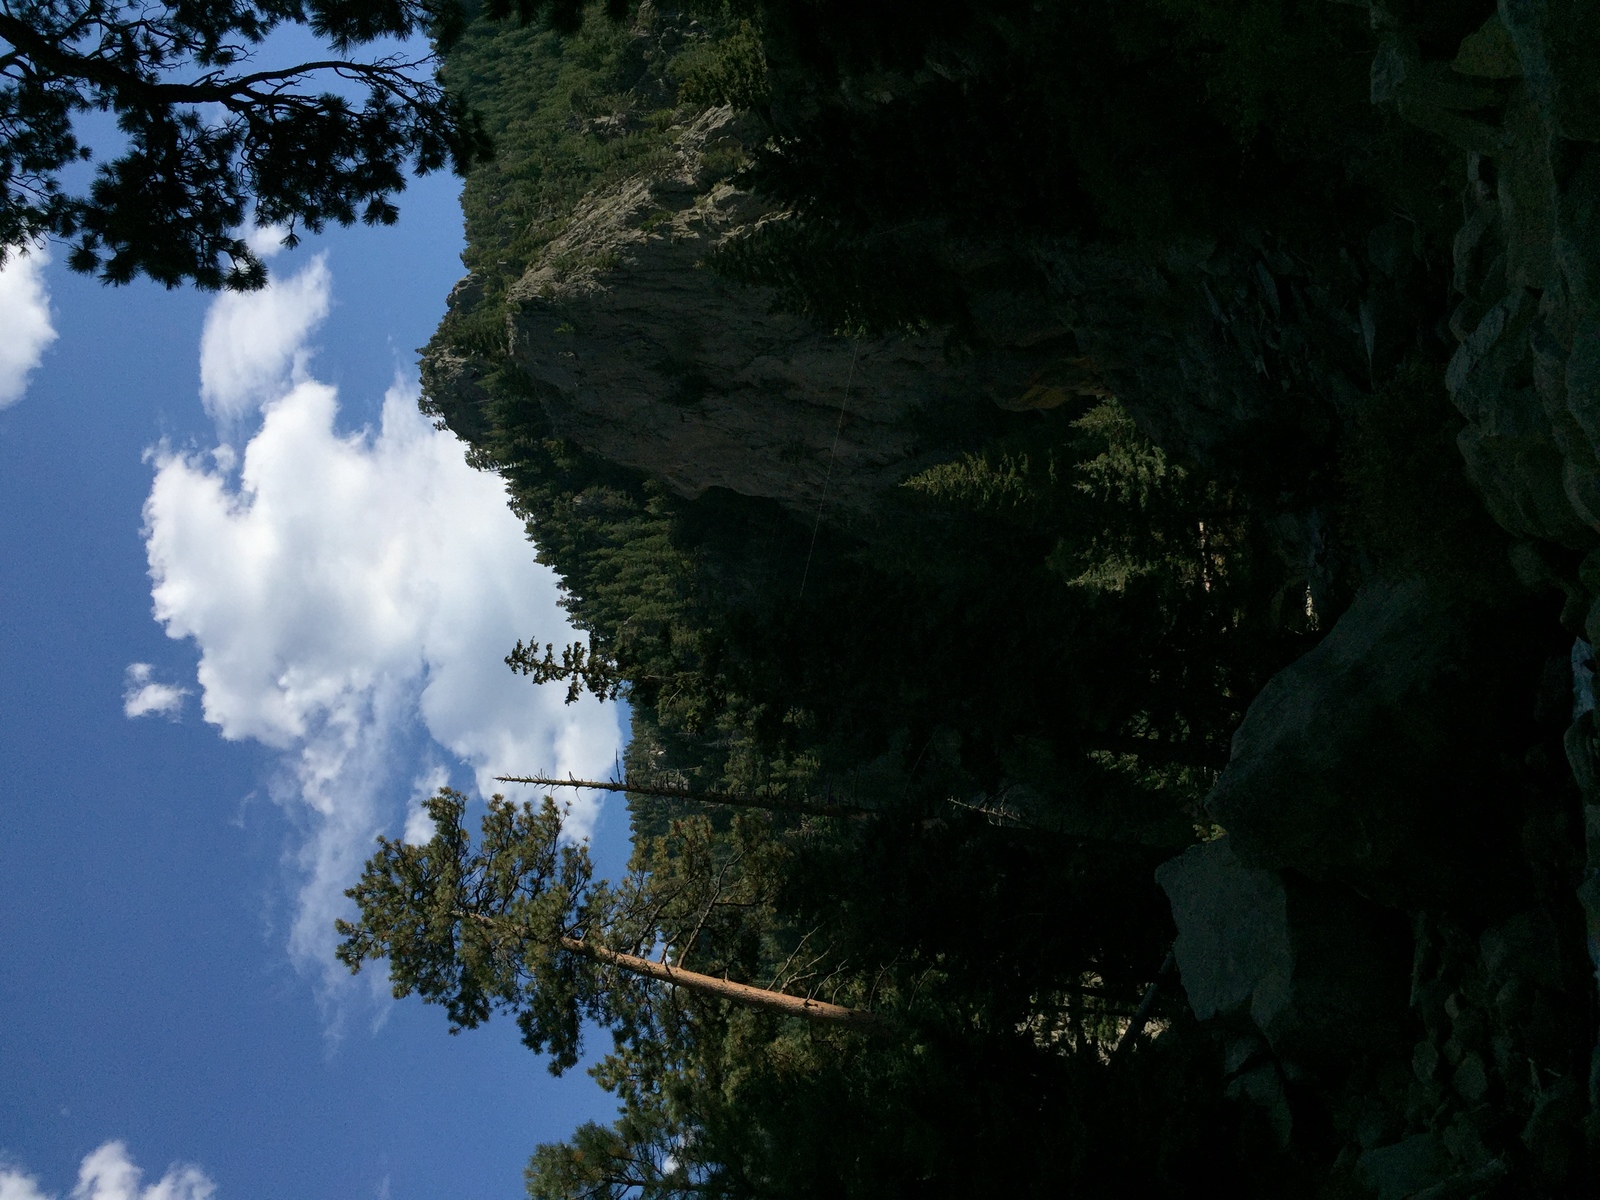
[803,1007]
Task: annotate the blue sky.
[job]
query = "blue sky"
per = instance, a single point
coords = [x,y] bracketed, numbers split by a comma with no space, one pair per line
[251,605]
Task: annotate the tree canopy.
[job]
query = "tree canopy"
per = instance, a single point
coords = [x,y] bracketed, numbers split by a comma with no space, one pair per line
[211,138]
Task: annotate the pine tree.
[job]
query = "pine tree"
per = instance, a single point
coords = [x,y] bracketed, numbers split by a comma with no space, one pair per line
[516,923]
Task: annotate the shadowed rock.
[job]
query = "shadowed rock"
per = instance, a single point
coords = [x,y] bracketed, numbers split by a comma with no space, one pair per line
[1375,759]
[1312,968]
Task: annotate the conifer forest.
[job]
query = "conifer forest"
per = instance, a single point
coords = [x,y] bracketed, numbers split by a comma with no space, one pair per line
[1094,510]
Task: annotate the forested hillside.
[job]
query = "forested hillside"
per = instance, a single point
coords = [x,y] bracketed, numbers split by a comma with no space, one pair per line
[1093,509]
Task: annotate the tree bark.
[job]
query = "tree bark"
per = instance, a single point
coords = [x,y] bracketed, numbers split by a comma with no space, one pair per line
[740,993]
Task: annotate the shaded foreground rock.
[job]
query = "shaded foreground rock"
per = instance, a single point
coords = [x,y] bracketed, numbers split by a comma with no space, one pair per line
[1312,969]
[1390,878]
[1377,759]
[1400,757]
[1298,980]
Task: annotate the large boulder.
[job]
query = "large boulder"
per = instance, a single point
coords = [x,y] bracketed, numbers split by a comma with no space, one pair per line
[1378,759]
[1317,972]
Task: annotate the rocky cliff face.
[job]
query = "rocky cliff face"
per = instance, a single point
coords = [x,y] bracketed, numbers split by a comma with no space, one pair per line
[1527,372]
[649,361]
[641,356]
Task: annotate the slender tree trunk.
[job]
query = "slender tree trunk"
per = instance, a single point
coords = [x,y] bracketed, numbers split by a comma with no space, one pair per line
[1147,1005]
[813,808]
[739,993]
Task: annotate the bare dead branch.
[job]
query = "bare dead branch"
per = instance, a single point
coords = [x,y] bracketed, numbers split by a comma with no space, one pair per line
[807,807]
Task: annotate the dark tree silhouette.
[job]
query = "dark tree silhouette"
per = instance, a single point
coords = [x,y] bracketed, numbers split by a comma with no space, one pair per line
[211,136]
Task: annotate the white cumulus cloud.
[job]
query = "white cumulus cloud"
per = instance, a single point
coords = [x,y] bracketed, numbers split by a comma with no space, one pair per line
[109,1174]
[353,596]
[17,1184]
[255,342]
[142,696]
[25,320]
[266,240]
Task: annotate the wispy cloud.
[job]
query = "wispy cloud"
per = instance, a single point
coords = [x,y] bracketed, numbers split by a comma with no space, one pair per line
[143,697]
[109,1174]
[419,825]
[25,318]
[353,597]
